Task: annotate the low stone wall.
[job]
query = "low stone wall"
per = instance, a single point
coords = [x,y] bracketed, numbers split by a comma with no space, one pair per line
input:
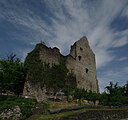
[99,115]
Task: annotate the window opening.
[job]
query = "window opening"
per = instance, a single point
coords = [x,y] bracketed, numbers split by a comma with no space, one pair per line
[81,48]
[79,57]
[86,70]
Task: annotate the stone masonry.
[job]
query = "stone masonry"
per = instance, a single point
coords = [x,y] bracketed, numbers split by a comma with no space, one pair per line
[80,61]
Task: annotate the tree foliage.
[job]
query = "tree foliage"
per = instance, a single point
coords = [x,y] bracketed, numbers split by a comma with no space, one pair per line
[115,95]
[80,94]
[70,85]
[12,74]
[55,76]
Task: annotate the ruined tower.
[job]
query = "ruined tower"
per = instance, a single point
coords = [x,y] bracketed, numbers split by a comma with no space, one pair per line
[80,61]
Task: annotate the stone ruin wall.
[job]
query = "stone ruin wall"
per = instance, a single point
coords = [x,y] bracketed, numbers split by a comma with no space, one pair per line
[83,65]
[34,90]
[80,61]
[50,55]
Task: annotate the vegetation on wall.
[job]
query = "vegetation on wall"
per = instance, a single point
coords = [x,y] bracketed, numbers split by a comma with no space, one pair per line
[35,69]
[58,77]
[55,77]
[70,85]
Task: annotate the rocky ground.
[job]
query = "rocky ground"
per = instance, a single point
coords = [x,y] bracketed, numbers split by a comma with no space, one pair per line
[99,115]
[13,113]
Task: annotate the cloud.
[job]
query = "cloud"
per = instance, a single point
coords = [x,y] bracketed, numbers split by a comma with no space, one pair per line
[61,22]
[87,18]
[122,59]
[121,38]
[125,12]
[70,20]
[19,14]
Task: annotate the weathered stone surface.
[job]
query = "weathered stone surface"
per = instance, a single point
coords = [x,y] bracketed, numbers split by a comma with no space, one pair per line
[13,113]
[98,115]
[80,61]
[35,91]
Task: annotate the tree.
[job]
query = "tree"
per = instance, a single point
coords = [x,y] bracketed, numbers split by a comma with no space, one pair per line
[115,95]
[12,74]
[92,96]
[70,85]
[110,88]
[87,95]
[78,94]
[126,89]
[56,77]
[1,81]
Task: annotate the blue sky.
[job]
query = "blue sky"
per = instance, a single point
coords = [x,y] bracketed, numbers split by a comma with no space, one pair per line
[23,23]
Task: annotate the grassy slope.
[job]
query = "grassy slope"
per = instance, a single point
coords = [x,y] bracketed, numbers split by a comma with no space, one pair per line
[25,105]
[66,114]
[55,105]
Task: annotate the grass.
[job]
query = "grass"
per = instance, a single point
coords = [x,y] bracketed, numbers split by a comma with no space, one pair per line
[55,105]
[58,115]
[66,114]
[25,105]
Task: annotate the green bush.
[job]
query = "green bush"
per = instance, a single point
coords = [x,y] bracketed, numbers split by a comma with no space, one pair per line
[26,105]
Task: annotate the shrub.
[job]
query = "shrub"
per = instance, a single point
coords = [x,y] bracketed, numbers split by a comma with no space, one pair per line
[26,105]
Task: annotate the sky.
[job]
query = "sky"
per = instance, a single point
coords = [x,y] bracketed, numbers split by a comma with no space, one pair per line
[59,23]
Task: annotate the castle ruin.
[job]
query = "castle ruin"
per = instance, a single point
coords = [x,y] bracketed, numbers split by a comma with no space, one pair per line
[80,61]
